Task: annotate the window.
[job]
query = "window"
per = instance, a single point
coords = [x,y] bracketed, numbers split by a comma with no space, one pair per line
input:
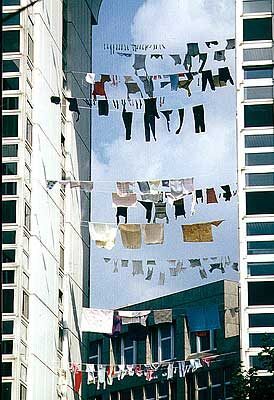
[8,255]
[125,395]
[202,385]
[62,257]
[6,369]
[8,301]
[11,2]
[257,54]
[25,281]
[216,377]
[137,394]
[256,362]
[23,392]
[25,304]
[29,132]
[27,216]
[260,293]
[23,372]
[258,72]
[24,332]
[7,327]
[8,276]
[7,346]
[150,392]
[258,92]
[10,83]
[25,261]
[265,179]
[10,168]
[259,203]
[11,65]
[9,211]
[260,228]
[9,237]
[10,150]
[257,6]
[30,47]
[260,247]
[128,351]
[60,338]
[11,19]
[261,320]
[11,41]
[165,343]
[259,159]
[261,339]
[10,103]
[6,390]
[259,141]
[27,174]
[258,115]
[163,391]
[9,188]
[260,268]
[94,352]
[10,125]
[257,29]
[203,341]
[227,383]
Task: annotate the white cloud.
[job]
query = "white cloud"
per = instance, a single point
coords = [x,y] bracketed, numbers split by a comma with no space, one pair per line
[176,21]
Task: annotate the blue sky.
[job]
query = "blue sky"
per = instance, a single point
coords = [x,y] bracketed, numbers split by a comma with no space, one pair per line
[210,158]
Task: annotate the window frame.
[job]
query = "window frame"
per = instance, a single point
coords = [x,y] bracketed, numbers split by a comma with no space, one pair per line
[124,348]
[160,340]
[98,356]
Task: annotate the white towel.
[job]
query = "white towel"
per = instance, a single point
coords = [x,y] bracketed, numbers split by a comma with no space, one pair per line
[97,320]
[103,234]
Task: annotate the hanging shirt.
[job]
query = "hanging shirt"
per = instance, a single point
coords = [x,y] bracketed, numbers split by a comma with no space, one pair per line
[131,235]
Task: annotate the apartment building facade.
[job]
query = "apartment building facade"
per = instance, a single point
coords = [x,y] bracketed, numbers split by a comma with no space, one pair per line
[255,121]
[46,249]
[173,341]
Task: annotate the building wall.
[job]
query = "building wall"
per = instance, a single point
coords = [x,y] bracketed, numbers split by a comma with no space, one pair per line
[254,52]
[52,246]
[224,294]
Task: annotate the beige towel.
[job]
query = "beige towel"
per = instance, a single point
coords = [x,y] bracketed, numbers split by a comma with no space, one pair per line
[103,234]
[128,200]
[131,235]
[154,186]
[162,316]
[134,317]
[153,233]
[199,232]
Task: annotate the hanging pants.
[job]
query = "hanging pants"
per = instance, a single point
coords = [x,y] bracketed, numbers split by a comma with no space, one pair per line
[181,117]
[127,119]
[149,118]
[199,119]
[207,76]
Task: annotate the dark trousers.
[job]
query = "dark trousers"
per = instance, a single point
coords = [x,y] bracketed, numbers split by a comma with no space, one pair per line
[127,119]
[149,122]
[224,75]
[199,118]
[207,76]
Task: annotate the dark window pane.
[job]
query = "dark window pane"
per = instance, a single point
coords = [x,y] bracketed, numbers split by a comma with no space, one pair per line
[259,141]
[137,394]
[216,376]
[203,395]
[258,92]
[8,276]
[10,168]
[9,237]
[163,389]
[23,392]
[257,6]
[257,54]
[202,379]
[260,293]
[261,339]
[30,47]
[205,342]
[259,203]
[166,349]
[260,268]
[7,327]
[9,150]
[114,396]
[8,256]
[11,65]
[261,320]
[260,228]
[8,297]
[27,220]
[6,369]
[258,72]
[11,19]
[260,247]
[257,29]
[150,392]
[217,393]
[128,356]
[265,179]
[9,211]
[258,115]
[11,84]
[6,390]
[25,305]
[125,395]
[11,41]
[259,159]
[11,3]
[10,103]
[256,362]
[10,125]
[29,132]
[9,188]
[7,346]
